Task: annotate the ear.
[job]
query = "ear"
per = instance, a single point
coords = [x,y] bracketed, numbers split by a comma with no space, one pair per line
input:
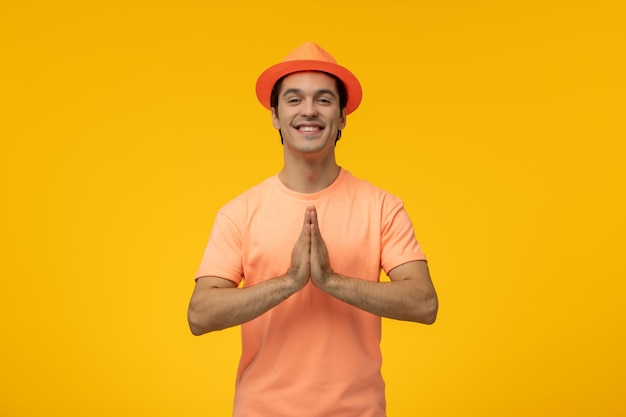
[275,121]
[343,120]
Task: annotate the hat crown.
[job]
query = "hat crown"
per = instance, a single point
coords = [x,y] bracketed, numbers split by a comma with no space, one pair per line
[310,51]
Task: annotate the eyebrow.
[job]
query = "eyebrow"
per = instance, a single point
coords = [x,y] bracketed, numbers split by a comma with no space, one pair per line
[299,91]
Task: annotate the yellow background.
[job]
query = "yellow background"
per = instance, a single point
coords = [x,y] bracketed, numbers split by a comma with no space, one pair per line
[125,125]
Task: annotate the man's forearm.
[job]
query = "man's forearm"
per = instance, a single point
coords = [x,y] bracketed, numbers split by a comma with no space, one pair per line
[401,300]
[214,308]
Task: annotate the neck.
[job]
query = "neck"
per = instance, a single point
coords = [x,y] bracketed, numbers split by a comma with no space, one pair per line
[309,175]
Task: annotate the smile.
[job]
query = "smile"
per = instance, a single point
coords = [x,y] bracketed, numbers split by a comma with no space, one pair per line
[309,128]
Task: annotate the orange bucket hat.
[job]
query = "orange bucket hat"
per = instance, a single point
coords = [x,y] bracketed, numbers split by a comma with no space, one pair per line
[309,57]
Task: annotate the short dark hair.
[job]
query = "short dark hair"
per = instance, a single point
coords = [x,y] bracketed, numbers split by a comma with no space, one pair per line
[341,90]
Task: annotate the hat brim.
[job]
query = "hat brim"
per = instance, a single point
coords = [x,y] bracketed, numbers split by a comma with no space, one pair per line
[268,78]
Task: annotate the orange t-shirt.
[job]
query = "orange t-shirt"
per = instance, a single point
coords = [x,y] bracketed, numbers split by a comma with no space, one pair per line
[312,355]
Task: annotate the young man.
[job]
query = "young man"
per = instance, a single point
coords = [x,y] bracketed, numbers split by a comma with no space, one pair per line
[309,244]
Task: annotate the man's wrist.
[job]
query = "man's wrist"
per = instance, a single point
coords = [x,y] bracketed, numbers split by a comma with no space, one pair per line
[330,283]
[290,284]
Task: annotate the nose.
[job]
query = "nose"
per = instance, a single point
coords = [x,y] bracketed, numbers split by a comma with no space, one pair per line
[309,109]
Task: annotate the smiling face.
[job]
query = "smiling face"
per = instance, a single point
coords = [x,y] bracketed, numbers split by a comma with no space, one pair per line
[308,113]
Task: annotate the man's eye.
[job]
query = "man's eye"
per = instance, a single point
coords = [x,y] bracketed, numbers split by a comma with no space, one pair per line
[324,100]
[293,100]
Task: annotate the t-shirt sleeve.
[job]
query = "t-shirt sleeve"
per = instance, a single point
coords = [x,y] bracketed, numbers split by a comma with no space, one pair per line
[398,242]
[222,255]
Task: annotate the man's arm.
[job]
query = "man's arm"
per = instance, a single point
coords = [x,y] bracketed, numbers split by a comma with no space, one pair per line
[409,296]
[216,303]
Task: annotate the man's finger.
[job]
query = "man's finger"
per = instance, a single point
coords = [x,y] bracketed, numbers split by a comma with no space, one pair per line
[315,223]
[306,224]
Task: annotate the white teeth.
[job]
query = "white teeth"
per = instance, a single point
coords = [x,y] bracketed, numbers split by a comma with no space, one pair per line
[309,128]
